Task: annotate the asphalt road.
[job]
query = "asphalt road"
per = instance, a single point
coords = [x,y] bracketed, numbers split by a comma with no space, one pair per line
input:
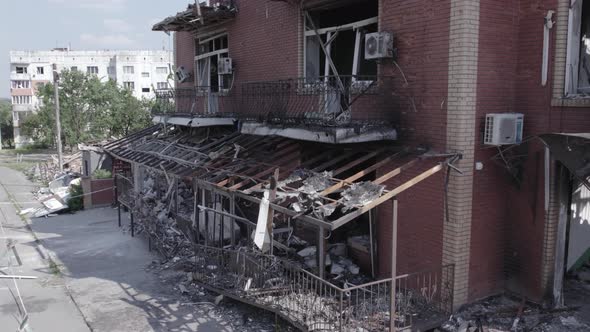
[99,280]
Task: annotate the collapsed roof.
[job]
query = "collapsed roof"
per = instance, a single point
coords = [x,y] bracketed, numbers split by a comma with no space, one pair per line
[323,184]
[196,16]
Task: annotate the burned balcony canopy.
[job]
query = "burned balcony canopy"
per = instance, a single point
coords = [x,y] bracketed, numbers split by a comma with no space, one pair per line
[323,184]
[196,16]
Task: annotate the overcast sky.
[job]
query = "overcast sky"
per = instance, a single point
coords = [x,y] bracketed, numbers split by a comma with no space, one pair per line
[81,24]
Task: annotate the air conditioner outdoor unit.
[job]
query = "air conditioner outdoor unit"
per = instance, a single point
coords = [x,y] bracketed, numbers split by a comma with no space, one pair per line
[378,45]
[225,66]
[182,75]
[503,128]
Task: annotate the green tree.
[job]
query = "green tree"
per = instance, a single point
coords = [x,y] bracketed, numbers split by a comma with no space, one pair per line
[89,109]
[6,123]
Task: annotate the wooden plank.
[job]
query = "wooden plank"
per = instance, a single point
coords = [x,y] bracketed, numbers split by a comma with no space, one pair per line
[396,171]
[360,174]
[356,162]
[287,155]
[398,190]
[333,161]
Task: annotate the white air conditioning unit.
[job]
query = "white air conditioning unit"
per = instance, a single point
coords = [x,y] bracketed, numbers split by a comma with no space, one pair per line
[503,128]
[225,66]
[378,45]
[182,75]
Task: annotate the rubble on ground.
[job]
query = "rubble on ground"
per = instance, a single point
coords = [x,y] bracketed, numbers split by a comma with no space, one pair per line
[45,172]
[501,314]
[177,275]
[54,198]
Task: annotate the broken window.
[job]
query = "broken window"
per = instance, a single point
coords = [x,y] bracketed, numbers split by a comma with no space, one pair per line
[342,31]
[128,70]
[40,70]
[129,85]
[577,76]
[209,51]
[92,70]
[21,70]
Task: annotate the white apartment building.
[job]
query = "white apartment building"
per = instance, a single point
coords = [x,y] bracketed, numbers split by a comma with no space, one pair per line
[140,71]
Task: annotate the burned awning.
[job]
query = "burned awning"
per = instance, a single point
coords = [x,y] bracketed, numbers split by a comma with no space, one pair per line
[323,184]
[572,150]
[196,16]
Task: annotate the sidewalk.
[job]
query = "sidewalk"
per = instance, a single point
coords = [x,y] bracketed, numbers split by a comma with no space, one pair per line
[46,299]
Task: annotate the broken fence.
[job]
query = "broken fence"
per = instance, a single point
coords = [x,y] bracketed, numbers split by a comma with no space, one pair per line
[281,286]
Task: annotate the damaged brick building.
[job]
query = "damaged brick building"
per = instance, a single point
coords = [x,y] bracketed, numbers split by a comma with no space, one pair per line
[329,113]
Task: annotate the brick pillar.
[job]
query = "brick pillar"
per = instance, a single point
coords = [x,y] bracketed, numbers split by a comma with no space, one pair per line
[461,109]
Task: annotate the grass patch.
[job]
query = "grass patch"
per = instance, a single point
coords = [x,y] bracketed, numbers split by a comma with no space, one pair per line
[21,167]
[54,268]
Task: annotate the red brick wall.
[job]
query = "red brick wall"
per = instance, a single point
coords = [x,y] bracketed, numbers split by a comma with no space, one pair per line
[421,29]
[101,196]
[498,43]
[184,46]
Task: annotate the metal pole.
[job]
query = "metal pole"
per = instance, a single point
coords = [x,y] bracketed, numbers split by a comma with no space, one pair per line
[372,244]
[57,119]
[132,225]
[321,252]
[117,200]
[393,265]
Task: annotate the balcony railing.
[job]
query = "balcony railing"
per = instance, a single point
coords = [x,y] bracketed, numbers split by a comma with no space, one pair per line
[325,101]
[332,100]
[194,102]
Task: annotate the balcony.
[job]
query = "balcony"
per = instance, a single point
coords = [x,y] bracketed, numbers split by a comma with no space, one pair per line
[22,107]
[344,109]
[194,106]
[20,77]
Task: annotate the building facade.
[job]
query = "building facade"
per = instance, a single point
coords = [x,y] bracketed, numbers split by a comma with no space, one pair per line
[141,71]
[299,71]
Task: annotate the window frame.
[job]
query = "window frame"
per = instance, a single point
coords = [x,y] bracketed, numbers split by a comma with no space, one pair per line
[130,85]
[203,62]
[40,70]
[158,70]
[22,100]
[26,84]
[160,84]
[90,71]
[355,26]
[128,69]
[24,69]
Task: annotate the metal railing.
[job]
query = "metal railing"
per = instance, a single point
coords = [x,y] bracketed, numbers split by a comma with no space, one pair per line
[324,101]
[124,190]
[193,101]
[314,304]
[331,101]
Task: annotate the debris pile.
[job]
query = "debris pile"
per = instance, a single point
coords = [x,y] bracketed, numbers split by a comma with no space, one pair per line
[56,196]
[503,314]
[45,172]
[153,208]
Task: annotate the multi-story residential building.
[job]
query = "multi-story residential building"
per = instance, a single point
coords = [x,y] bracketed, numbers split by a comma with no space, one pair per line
[140,71]
[291,88]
